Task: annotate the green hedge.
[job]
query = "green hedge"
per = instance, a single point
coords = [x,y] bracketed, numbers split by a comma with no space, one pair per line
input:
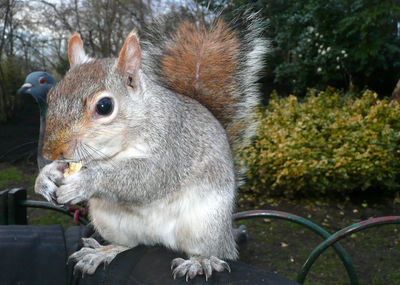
[327,144]
[11,78]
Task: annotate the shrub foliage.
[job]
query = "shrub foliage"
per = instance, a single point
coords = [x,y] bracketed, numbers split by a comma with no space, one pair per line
[316,43]
[327,144]
[11,78]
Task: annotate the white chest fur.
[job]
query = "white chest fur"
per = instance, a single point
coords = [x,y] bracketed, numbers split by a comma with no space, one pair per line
[177,222]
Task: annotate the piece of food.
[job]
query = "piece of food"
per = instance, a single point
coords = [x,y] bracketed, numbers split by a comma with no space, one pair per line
[72,168]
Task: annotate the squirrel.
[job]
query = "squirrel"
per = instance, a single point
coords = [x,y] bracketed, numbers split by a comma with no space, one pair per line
[155,130]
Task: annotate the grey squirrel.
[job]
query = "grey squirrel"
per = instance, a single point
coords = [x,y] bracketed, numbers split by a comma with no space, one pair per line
[155,131]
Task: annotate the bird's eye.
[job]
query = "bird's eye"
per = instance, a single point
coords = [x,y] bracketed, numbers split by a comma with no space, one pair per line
[104,106]
[42,80]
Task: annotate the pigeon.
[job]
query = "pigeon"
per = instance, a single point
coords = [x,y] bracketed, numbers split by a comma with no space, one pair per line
[37,84]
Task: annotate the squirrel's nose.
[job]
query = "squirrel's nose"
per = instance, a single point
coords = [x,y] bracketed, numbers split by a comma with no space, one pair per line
[58,151]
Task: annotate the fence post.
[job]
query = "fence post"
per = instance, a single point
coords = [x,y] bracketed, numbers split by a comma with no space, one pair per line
[16,213]
[3,207]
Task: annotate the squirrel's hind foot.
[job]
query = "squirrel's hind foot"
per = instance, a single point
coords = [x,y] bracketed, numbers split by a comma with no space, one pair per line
[92,254]
[197,265]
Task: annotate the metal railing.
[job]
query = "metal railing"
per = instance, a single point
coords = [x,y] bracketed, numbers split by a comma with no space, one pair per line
[329,239]
[13,205]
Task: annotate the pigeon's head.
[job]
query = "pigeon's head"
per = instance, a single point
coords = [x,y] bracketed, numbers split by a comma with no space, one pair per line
[37,84]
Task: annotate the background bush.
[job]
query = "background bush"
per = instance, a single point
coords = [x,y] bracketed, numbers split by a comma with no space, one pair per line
[316,43]
[12,76]
[327,144]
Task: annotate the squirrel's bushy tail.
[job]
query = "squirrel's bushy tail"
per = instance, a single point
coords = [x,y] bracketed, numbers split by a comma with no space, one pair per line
[217,64]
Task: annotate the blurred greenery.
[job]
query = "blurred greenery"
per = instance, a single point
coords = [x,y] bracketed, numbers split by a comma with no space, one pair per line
[49,217]
[12,77]
[327,144]
[316,43]
[9,175]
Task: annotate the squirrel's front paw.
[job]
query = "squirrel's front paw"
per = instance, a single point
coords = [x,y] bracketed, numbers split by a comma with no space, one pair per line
[58,189]
[197,266]
[49,180]
[71,190]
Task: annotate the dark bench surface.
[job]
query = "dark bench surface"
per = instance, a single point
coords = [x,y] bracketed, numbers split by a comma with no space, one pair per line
[38,254]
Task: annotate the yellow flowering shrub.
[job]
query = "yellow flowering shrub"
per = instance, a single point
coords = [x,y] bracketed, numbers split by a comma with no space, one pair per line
[329,143]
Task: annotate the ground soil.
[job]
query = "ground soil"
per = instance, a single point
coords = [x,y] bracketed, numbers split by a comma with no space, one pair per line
[275,245]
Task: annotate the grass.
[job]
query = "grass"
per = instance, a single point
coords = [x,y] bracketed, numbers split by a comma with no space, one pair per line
[49,217]
[10,175]
[283,247]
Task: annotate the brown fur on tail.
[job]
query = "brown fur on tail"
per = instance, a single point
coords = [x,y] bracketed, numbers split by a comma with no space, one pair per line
[202,64]
[215,63]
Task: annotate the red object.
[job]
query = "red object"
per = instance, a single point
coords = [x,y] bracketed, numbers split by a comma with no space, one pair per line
[78,212]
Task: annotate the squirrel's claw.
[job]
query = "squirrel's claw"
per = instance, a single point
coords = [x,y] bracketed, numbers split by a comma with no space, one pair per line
[219,265]
[181,269]
[89,257]
[194,270]
[88,264]
[197,266]
[207,268]
[48,181]
[176,262]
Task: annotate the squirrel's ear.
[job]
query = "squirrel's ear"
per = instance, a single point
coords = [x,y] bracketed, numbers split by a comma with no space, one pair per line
[129,58]
[76,53]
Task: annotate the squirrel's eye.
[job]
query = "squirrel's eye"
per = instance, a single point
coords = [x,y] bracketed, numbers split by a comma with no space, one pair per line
[104,106]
